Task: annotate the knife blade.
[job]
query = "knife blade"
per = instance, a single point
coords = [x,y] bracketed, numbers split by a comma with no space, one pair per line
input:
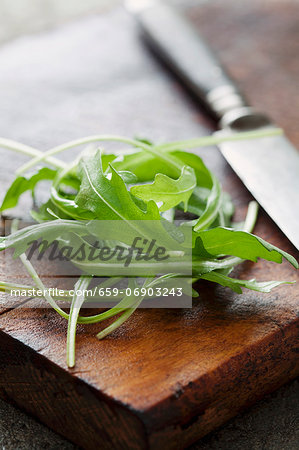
[269,167]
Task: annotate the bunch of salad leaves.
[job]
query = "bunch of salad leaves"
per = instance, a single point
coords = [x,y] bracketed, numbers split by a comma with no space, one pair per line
[147,182]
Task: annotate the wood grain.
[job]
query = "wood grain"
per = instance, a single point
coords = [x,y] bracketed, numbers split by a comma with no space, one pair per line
[166,377]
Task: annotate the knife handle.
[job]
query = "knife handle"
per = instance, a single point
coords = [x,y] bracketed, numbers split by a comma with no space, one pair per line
[173,38]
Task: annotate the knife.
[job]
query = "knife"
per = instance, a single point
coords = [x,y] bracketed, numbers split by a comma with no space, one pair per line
[269,167]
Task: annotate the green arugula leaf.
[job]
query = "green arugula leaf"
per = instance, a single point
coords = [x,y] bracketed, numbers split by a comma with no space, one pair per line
[128,177]
[237,285]
[145,166]
[68,208]
[198,201]
[48,231]
[106,160]
[203,175]
[168,191]
[48,211]
[107,198]
[23,184]
[65,206]
[223,241]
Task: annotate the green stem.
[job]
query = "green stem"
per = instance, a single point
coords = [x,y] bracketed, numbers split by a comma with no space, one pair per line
[123,305]
[217,138]
[117,323]
[133,305]
[30,151]
[251,217]
[212,208]
[77,302]
[186,144]
[39,284]
[77,143]
[156,150]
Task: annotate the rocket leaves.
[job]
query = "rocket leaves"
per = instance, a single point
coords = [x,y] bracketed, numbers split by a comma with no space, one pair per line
[224,241]
[167,191]
[237,285]
[22,184]
[144,191]
[107,196]
[104,195]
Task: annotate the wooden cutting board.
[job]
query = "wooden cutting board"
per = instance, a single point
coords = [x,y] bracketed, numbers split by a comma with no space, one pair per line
[166,377]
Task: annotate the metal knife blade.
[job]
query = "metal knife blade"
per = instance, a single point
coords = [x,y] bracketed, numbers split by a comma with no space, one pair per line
[269,167]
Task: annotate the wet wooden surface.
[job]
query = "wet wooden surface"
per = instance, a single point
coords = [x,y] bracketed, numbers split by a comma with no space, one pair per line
[165,378]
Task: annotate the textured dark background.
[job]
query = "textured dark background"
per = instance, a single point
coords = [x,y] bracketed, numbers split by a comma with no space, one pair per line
[271,424]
